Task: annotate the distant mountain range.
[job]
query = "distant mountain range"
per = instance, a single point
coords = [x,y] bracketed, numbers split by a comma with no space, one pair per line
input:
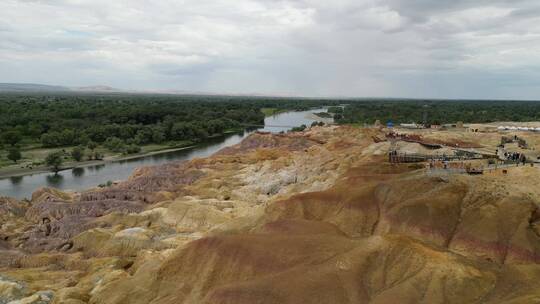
[42,88]
[33,87]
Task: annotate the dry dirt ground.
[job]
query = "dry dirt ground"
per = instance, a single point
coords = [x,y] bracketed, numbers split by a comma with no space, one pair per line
[312,217]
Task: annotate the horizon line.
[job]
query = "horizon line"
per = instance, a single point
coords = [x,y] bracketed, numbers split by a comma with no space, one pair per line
[87,89]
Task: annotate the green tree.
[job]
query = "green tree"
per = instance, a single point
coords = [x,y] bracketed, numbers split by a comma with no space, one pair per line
[132,149]
[51,139]
[34,130]
[54,160]
[11,137]
[299,129]
[335,110]
[158,135]
[82,139]
[92,145]
[77,153]
[67,137]
[115,144]
[14,154]
[97,156]
[143,137]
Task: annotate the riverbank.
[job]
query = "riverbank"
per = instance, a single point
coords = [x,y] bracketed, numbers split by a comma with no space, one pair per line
[18,172]
[91,174]
[314,116]
[23,169]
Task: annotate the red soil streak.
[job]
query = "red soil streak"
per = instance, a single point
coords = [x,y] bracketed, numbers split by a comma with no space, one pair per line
[470,243]
[421,232]
[301,227]
[501,250]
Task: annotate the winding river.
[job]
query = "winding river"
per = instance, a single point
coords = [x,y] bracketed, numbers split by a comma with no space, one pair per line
[88,177]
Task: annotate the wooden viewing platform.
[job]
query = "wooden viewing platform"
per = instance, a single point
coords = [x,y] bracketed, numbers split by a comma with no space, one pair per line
[395,157]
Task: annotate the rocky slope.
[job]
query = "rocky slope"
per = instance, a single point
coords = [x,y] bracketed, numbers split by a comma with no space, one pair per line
[314,217]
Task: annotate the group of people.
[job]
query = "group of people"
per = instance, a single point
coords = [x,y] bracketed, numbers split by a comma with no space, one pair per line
[515,157]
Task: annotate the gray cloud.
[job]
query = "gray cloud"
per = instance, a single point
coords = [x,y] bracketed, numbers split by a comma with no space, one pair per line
[409,48]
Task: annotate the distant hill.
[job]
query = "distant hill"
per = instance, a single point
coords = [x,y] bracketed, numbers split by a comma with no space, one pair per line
[97,88]
[30,87]
[42,88]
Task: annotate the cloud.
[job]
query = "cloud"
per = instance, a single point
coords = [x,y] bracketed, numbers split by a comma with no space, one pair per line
[409,48]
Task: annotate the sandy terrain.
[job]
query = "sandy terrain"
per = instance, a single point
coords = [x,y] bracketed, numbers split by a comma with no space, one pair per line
[312,217]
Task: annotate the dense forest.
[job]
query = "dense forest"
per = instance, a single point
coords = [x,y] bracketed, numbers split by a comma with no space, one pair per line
[90,125]
[438,111]
[68,121]
[123,123]
[117,121]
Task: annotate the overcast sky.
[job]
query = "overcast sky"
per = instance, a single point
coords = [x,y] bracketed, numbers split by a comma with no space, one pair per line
[385,48]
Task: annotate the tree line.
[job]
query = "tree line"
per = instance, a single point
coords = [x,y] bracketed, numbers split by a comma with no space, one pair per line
[124,123]
[76,120]
[438,111]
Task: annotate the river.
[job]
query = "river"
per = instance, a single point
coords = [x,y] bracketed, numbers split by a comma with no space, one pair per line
[88,177]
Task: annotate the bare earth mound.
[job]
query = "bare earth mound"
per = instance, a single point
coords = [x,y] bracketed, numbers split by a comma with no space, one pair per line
[312,217]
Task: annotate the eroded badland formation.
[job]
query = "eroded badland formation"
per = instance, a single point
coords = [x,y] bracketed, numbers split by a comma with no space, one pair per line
[313,217]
